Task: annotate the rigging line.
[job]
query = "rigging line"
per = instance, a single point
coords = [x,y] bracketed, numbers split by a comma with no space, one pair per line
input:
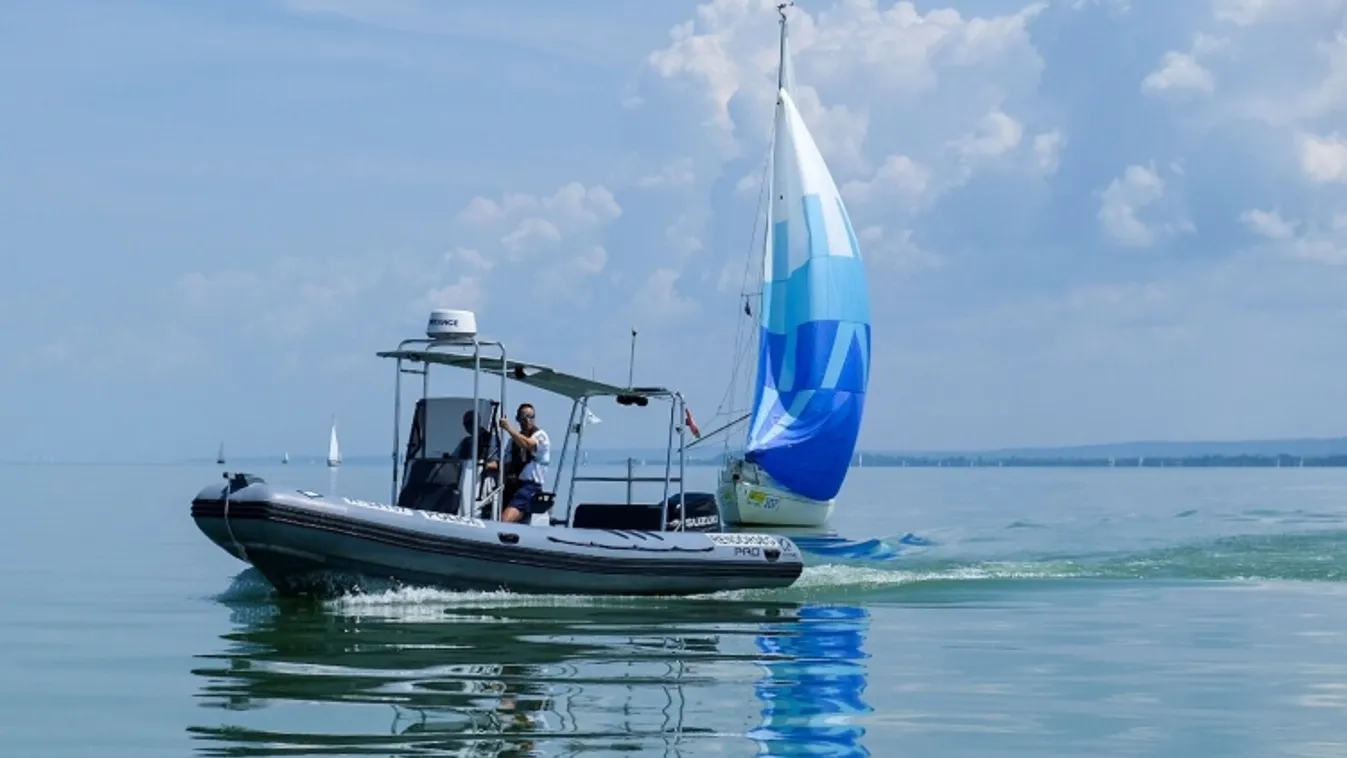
[738,356]
[726,427]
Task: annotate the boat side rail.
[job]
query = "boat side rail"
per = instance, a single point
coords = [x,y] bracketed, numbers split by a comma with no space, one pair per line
[674,455]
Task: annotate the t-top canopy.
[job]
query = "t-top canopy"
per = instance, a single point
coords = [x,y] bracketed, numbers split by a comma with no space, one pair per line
[533,374]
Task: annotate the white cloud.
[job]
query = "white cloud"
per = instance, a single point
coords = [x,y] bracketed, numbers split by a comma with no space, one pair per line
[1178,71]
[1322,241]
[466,291]
[996,134]
[1048,151]
[1242,12]
[1118,7]
[1251,12]
[481,211]
[657,302]
[591,261]
[553,242]
[682,236]
[1304,82]
[569,280]
[1183,71]
[1137,188]
[1324,159]
[572,207]
[468,269]
[1268,224]
[899,177]
[531,232]
[675,173]
[729,52]
[886,254]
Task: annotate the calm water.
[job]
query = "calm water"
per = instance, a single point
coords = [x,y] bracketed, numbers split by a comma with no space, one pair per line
[1056,612]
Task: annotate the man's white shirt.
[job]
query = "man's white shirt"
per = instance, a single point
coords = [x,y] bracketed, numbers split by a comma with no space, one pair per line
[536,469]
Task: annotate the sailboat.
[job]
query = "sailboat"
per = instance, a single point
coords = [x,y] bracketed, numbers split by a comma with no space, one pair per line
[333,450]
[813,338]
[285,457]
[219,457]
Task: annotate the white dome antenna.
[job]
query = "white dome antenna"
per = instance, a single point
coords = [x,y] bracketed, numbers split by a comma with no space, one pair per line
[446,325]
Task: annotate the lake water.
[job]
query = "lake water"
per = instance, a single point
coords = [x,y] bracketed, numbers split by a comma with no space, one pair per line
[1151,612]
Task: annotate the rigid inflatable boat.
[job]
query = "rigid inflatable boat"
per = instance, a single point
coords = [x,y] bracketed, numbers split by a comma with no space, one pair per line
[442,526]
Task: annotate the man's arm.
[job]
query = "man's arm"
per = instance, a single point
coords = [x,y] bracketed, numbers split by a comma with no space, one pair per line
[526,442]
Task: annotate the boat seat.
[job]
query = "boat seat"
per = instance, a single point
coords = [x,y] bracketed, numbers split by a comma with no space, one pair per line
[432,485]
[638,516]
[703,514]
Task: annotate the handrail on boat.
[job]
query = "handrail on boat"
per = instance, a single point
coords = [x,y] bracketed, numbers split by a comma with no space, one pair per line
[578,389]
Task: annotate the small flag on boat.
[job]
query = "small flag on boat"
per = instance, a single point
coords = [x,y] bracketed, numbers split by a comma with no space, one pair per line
[692,425]
[590,418]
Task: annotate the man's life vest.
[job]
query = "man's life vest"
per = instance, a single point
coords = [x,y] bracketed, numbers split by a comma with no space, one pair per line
[519,457]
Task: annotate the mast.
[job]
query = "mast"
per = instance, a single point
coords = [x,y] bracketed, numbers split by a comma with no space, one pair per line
[785,72]
[785,80]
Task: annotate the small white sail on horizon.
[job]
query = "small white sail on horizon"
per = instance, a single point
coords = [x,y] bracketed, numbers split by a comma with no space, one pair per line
[333,449]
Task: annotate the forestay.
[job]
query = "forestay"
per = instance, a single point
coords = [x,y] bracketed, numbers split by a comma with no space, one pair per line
[814,323]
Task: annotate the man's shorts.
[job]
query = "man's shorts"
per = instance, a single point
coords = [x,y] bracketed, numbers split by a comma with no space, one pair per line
[522,499]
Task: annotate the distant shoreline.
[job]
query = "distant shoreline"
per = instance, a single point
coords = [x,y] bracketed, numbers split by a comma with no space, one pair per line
[867,460]
[1277,453]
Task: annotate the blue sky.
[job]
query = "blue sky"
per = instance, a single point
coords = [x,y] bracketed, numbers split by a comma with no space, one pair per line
[1083,220]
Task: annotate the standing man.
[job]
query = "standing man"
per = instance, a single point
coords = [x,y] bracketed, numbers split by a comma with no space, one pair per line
[526,463]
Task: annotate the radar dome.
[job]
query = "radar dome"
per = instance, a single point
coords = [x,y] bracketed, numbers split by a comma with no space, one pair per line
[446,325]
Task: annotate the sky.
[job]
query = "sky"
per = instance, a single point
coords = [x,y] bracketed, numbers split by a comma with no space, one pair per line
[1082,220]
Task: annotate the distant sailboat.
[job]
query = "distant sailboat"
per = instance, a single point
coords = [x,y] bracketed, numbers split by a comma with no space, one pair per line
[333,450]
[285,458]
[219,457]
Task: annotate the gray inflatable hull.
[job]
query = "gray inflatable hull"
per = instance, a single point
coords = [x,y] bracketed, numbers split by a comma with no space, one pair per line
[305,543]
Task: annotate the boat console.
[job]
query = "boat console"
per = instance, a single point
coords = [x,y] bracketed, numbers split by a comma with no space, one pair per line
[439,454]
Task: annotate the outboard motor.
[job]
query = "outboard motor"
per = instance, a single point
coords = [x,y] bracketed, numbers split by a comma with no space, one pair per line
[241,480]
[702,513]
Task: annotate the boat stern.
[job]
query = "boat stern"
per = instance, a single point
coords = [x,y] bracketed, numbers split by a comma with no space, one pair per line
[748,498]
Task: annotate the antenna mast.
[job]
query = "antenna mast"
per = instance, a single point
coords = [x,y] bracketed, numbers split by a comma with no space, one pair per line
[631,362]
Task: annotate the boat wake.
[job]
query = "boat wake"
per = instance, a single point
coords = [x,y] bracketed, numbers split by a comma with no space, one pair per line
[1319,556]
[874,549]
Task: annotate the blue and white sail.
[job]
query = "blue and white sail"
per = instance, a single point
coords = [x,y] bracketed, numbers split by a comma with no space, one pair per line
[814,321]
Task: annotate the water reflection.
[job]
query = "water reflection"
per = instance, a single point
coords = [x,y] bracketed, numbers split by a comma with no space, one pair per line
[815,684]
[427,673]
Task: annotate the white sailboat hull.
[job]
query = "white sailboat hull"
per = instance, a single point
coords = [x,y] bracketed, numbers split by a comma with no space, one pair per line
[749,497]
